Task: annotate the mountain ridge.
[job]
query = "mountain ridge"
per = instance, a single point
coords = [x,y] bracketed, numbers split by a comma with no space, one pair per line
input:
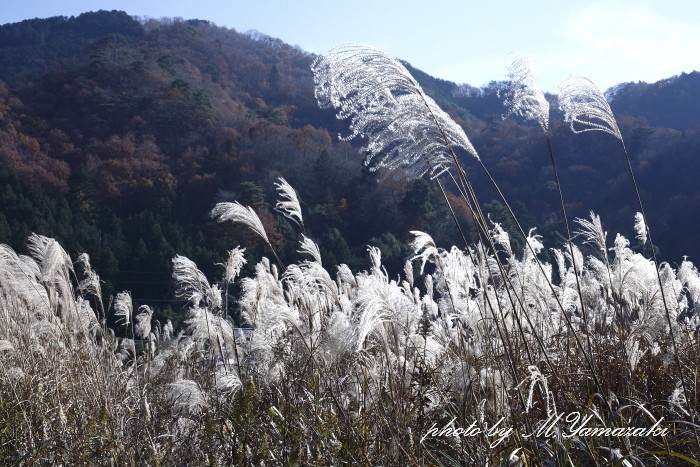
[20,42]
[121,145]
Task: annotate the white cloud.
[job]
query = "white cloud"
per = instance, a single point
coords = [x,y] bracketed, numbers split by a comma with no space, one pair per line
[613,42]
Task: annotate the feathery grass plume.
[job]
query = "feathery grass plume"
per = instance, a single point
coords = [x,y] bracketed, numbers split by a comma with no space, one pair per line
[501,238]
[50,256]
[375,308]
[186,397]
[310,247]
[346,279]
[592,232]
[167,332]
[524,96]
[86,318]
[585,107]
[689,276]
[236,212]
[375,257]
[19,279]
[228,381]
[408,271]
[234,264]
[193,285]
[424,247]
[289,205]
[142,328]
[640,227]
[312,292]
[537,378]
[386,105]
[232,268]
[202,325]
[91,283]
[55,267]
[123,307]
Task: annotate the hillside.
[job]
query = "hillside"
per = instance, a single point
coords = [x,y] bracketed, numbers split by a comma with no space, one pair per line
[118,136]
[340,328]
[670,103]
[31,47]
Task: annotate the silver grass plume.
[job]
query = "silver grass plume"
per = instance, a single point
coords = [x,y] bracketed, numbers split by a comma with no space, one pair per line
[85,315]
[186,397]
[167,332]
[123,307]
[408,271]
[203,325]
[424,247]
[52,259]
[385,104]
[309,247]
[20,276]
[689,276]
[524,96]
[501,238]
[537,378]
[592,231]
[288,206]
[143,322]
[375,307]
[235,212]
[227,382]
[640,227]
[345,277]
[375,257]
[126,350]
[55,267]
[91,283]
[234,263]
[585,107]
[193,285]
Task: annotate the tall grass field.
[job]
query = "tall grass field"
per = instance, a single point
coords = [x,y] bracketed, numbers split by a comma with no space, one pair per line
[474,355]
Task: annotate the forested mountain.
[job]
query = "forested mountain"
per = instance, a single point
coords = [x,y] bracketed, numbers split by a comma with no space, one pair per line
[671,103]
[31,47]
[117,136]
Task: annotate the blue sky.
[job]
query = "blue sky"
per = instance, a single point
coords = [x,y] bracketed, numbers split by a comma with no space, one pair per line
[465,41]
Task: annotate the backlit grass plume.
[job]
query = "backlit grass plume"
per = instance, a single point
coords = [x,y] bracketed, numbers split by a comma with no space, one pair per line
[288,206]
[385,104]
[310,248]
[234,263]
[123,307]
[236,212]
[585,107]
[640,227]
[193,285]
[524,96]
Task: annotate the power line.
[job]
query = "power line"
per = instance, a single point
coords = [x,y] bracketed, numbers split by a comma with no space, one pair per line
[109,299]
[160,273]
